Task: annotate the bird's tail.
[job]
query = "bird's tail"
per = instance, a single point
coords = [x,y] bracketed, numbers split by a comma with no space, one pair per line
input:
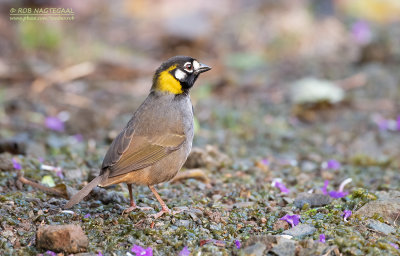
[86,190]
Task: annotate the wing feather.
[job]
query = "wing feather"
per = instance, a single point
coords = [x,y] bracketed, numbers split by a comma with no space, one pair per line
[130,152]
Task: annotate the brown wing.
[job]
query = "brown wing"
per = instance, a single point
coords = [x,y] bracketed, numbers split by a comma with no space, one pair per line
[130,152]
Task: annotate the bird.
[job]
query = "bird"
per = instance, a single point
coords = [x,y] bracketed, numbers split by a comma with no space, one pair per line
[157,140]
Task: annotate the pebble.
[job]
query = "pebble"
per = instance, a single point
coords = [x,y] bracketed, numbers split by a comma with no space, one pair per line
[243,205]
[66,238]
[280,224]
[285,247]
[74,174]
[300,231]
[256,249]
[313,200]
[6,162]
[183,223]
[380,227]
[308,166]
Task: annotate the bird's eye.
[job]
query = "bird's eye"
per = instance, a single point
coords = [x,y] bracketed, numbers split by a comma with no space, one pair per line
[188,67]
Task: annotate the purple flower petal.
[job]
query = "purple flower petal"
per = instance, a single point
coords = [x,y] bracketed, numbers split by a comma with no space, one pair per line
[293,220]
[280,186]
[338,194]
[324,189]
[322,238]
[16,165]
[185,252]
[59,173]
[138,250]
[54,123]
[361,32]
[383,124]
[398,123]
[99,253]
[51,253]
[237,243]
[346,214]
[332,164]
[87,216]
[394,245]
[78,137]
[265,161]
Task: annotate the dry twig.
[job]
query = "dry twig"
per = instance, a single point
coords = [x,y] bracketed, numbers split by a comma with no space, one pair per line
[197,174]
[45,189]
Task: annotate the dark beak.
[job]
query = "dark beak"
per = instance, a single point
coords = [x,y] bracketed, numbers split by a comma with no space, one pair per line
[202,68]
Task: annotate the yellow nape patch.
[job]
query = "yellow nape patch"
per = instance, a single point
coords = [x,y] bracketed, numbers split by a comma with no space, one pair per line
[168,83]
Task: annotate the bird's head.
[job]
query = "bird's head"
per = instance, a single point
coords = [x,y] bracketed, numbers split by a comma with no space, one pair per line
[177,75]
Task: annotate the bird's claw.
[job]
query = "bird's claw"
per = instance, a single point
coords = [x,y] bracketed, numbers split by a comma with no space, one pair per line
[127,210]
[161,213]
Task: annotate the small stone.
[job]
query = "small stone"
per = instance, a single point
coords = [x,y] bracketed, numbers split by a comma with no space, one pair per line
[280,224]
[66,238]
[256,249]
[288,200]
[132,240]
[10,203]
[183,223]
[380,227]
[308,166]
[313,90]
[315,247]
[194,217]
[75,174]
[300,231]
[16,145]
[285,247]
[6,162]
[313,200]
[7,233]
[216,197]
[107,197]
[243,205]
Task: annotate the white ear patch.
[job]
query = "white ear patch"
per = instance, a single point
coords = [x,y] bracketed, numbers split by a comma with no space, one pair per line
[196,65]
[180,75]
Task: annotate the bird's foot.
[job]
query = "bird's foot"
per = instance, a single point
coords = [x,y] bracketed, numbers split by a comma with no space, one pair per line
[127,210]
[161,213]
[166,210]
[176,212]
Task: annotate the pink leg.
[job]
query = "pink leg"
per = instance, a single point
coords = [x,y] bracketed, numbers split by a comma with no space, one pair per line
[164,208]
[132,202]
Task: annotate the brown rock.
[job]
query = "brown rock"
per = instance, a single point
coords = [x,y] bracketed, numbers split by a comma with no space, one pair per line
[210,157]
[66,238]
[389,209]
[6,162]
[280,224]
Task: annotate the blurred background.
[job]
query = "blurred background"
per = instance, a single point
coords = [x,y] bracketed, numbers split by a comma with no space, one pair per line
[292,80]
